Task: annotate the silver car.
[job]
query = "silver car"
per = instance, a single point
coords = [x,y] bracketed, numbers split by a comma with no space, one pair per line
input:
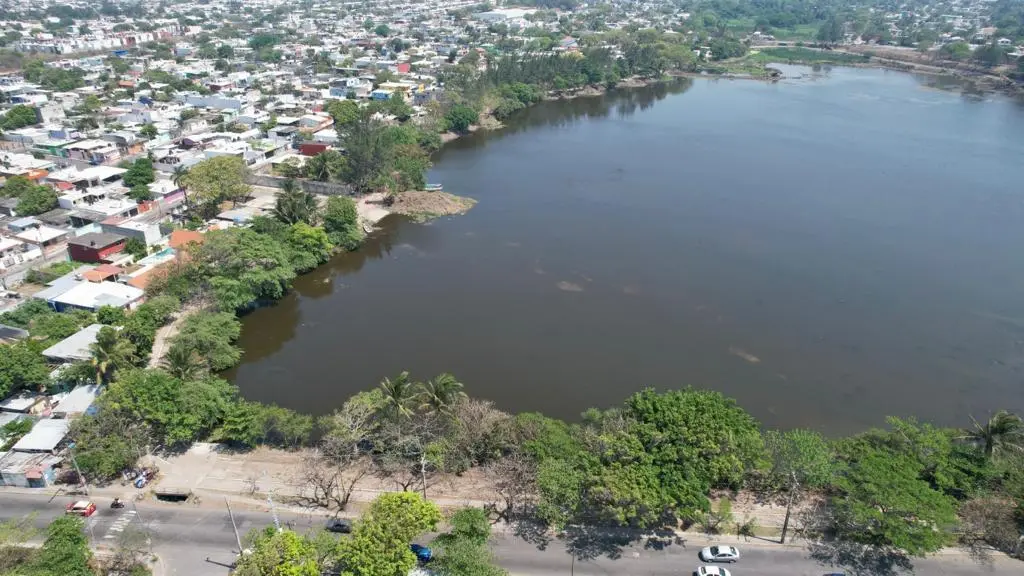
[720,554]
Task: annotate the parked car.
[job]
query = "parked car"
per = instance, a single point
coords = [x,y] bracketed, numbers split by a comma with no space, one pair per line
[712,571]
[720,554]
[339,525]
[82,508]
[423,554]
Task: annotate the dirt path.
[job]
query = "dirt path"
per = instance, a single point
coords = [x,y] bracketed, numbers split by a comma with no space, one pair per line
[161,342]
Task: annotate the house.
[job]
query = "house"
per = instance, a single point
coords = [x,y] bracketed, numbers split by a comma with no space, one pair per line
[14,252]
[76,402]
[45,437]
[93,295]
[74,347]
[93,151]
[27,470]
[23,403]
[95,247]
[45,238]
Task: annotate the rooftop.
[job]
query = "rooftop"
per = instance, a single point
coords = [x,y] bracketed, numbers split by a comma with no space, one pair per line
[45,436]
[96,240]
[92,295]
[74,347]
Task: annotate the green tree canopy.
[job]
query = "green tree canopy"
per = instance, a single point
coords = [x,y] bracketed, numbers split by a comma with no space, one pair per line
[22,366]
[212,337]
[884,502]
[217,179]
[176,411]
[242,267]
[379,545]
[65,551]
[341,221]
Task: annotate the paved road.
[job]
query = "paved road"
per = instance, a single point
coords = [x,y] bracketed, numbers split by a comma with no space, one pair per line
[185,536]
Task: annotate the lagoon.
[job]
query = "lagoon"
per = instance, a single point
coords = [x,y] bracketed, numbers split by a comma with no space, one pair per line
[830,249]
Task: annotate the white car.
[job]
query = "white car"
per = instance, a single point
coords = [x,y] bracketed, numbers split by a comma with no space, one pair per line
[719,554]
[712,571]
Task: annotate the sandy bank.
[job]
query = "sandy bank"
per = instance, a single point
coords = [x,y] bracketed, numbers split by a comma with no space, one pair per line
[417,205]
[423,206]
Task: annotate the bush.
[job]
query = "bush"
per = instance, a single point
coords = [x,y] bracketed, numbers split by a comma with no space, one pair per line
[460,118]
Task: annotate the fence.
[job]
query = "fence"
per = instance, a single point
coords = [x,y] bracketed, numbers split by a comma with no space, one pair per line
[312,186]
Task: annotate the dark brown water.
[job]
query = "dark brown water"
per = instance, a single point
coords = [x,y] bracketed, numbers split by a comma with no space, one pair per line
[827,250]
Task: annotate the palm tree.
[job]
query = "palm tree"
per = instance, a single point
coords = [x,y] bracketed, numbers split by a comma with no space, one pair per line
[183,363]
[296,205]
[178,177]
[441,393]
[400,395]
[1004,431]
[110,353]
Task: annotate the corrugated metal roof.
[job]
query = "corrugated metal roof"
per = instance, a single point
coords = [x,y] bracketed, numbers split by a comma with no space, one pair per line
[44,437]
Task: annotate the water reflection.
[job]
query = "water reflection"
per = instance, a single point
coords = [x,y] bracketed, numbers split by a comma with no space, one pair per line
[561,113]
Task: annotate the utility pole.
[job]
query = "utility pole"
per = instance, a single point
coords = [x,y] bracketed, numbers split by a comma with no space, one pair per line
[71,451]
[233,525]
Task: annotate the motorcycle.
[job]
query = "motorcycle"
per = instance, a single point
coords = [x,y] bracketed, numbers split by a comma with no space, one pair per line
[117,503]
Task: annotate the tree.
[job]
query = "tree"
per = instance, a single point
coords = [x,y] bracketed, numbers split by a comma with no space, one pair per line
[140,193]
[66,549]
[325,166]
[278,553]
[217,179]
[470,525]
[293,205]
[341,221]
[242,267]
[211,337]
[149,130]
[309,246]
[136,247]
[344,113]
[400,396]
[176,412]
[379,545]
[178,178]
[19,116]
[800,459]
[441,393]
[1003,432]
[883,502]
[382,30]
[460,118]
[183,362]
[110,353]
[37,200]
[251,424]
[831,32]
[22,366]
[140,173]
[111,315]
[460,557]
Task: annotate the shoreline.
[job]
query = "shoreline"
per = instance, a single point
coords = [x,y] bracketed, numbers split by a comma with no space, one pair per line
[418,205]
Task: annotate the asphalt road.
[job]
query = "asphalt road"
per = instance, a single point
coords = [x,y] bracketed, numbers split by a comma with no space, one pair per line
[199,541]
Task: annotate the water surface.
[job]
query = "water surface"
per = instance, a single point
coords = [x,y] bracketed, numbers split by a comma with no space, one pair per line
[828,250]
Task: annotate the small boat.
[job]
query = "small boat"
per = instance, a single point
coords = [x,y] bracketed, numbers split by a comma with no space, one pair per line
[433,187]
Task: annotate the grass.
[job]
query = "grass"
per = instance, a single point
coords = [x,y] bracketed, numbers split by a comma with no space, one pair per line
[797,55]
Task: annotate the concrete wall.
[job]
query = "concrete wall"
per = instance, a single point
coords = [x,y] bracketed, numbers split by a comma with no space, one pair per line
[325,188]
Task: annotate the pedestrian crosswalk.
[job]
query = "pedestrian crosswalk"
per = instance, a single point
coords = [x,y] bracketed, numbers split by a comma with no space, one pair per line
[119,525]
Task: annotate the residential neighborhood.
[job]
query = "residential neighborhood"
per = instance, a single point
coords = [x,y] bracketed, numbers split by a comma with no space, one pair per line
[168,168]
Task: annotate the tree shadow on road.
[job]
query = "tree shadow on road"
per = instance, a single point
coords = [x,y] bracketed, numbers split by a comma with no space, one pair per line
[860,559]
[588,542]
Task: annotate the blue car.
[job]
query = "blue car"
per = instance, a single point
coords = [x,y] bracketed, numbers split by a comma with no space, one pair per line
[423,554]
